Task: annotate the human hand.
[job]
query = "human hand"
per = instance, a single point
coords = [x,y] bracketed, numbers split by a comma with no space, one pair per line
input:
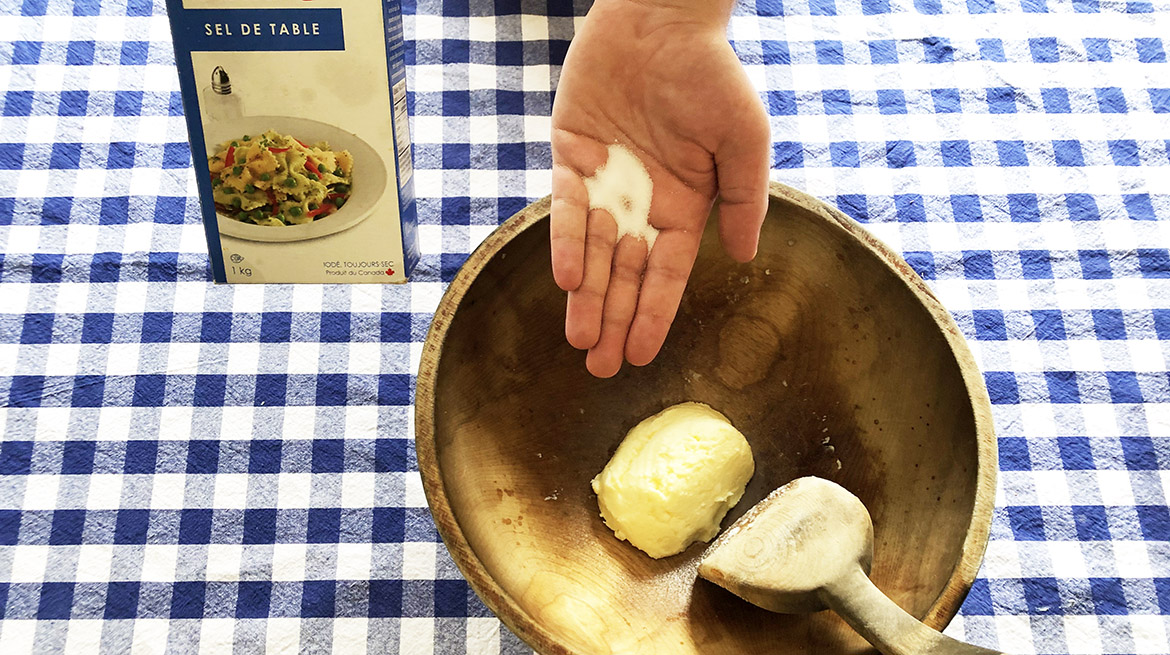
[660,78]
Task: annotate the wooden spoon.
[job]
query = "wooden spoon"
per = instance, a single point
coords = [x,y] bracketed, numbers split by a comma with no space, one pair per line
[808,546]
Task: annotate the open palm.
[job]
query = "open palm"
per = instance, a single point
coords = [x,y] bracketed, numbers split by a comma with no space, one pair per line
[666,84]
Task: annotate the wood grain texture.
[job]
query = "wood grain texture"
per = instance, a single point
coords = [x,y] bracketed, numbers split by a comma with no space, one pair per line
[827,334]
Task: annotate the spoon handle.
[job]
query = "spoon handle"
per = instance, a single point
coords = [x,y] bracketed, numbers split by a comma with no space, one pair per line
[885,625]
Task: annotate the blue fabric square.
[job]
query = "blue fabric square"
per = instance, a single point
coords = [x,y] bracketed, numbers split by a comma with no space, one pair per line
[451,598]
[275,327]
[1076,454]
[457,103]
[170,210]
[271,390]
[259,526]
[328,456]
[511,157]
[1086,6]
[210,390]
[1150,50]
[25,390]
[56,601]
[26,53]
[1011,153]
[854,206]
[86,7]
[164,267]
[1044,50]
[139,8]
[131,526]
[73,103]
[1027,523]
[1036,264]
[79,53]
[1159,101]
[134,53]
[176,155]
[937,50]
[395,327]
[1002,387]
[1023,207]
[955,153]
[1138,451]
[1155,522]
[787,154]
[931,7]
[77,457]
[966,208]
[978,265]
[1013,454]
[822,7]
[509,53]
[121,155]
[1124,388]
[455,51]
[837,101]
[900,154]
[195,526]
[1068,153]
[1062,387]
[187,600]
[1082,207]
[115,209]
[922,262]
[390,455]
[1139,207]
[891,101]
[946,101]
[1108,596]
[141,457]
[1098,50]
[394,389]
[156,326]
[121,600]
[978,601]
[910,208]
[989,325]
[844,154]
[318,598]
[36,327]
[875,7]
[385,598]
[324,525]
[1090,520]
[775,52]
[1001,100]
[1125,153]
[332,389]
[1095,264]
[253,599]
[65,156]
[68,527]
[335,327]
[88,391]
[1055,101]
[1111,100]
[1034,6]
[1139,7]
[1154,262]
[97,328]
[829,52]
[883,51]
[264,456]
[149,390]
[456,155]
[1050,324]
[782,103]
[11,156]
[46,269]
[202,456]
[19,103]
[1109,324]
[1042,595]
[991,49]
[388,525]
[9,527]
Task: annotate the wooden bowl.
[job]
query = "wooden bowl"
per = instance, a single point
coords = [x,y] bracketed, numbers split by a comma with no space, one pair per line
[828,352]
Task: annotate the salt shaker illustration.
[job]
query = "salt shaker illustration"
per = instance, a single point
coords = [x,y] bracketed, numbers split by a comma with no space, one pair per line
[218,100]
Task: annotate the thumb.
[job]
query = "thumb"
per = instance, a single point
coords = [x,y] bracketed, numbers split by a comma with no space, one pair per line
[741,169]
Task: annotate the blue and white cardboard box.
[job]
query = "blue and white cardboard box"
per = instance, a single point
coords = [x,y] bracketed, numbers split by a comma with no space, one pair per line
[296,111]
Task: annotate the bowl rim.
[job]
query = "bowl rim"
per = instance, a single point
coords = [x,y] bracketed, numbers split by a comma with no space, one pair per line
[944,607]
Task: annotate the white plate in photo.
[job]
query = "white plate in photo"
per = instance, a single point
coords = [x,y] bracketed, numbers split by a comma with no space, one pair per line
[366,188]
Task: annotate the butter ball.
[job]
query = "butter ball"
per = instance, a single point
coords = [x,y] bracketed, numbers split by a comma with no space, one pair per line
[673,479]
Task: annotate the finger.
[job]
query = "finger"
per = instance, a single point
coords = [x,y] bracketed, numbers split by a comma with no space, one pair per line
[567,223]
[584,309]
[741,169]
[666,276]
[621,300]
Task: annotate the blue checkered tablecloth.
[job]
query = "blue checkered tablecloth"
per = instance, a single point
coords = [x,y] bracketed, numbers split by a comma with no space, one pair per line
[185,466]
